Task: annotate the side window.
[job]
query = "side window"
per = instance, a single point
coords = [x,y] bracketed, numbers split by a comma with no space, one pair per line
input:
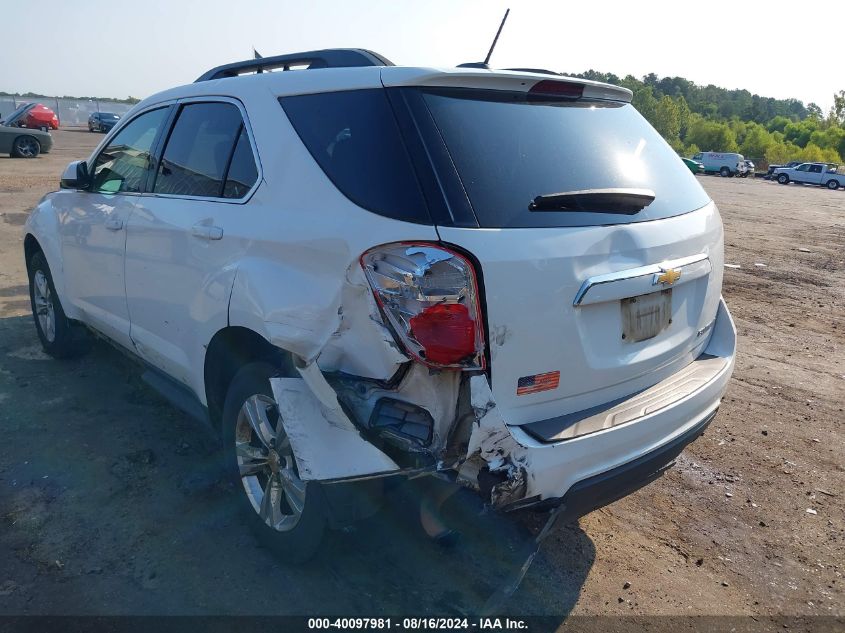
[816,169]
[802,168]
[201,152]
[242,171]
[123,165]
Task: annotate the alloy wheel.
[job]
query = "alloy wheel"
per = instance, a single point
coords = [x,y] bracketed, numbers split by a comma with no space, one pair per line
[44,309]
[267,469]
[27,147]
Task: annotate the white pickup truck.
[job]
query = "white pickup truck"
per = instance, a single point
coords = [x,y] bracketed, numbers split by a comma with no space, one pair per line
[822,174]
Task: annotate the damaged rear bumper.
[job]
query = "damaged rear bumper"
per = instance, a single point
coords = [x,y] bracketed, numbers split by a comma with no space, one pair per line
[621,448]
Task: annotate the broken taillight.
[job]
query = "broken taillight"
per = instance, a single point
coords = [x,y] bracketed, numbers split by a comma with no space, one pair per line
[429,295]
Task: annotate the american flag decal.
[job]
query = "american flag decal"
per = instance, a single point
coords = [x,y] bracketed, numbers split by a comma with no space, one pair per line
[537,382]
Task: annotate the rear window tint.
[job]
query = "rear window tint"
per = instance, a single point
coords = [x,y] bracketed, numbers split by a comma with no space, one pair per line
[508,149]
[354,138]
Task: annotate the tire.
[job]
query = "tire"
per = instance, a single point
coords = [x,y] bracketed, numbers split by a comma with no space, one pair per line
[833,184]
[724,172]
[255,448]
[783,179]
[26,147]
[60,337]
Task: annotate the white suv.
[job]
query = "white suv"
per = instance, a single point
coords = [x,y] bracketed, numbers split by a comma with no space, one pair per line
[357,270]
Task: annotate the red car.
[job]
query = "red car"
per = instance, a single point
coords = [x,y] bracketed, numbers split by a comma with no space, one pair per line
[37,116]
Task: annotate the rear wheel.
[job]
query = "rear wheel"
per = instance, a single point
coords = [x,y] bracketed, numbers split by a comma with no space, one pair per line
[60,337]
[25,147]
[783,179]
[285,512]
[833,184]
[724,172]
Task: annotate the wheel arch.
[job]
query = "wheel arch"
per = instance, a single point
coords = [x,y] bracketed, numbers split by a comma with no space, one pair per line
[228,350]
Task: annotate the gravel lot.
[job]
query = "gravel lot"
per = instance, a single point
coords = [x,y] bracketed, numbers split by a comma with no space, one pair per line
[111,502]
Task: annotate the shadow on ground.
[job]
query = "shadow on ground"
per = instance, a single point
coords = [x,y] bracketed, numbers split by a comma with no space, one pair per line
[112,502]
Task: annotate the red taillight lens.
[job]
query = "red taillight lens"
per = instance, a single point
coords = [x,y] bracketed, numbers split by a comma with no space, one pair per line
[554,88]
[429,295]
[446,331]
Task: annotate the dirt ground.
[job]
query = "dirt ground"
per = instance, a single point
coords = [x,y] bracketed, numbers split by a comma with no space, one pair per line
[111,501]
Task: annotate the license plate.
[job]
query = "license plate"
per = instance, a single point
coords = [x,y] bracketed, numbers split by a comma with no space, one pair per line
[645,316]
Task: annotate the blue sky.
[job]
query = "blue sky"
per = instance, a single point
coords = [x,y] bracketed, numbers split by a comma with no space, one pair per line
[128,47]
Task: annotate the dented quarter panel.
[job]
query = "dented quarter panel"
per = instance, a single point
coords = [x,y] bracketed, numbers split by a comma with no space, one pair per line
[296,287]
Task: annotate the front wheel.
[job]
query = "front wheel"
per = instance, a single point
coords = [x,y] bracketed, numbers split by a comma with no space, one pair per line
[832,184]
[25,147]
[60,337]
[783,179]
[285,512]
[724,172]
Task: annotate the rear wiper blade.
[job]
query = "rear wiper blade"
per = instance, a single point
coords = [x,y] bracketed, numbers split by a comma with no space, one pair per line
[621,200]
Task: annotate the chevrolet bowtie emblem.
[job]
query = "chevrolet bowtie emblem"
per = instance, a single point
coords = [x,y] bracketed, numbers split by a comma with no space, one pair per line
[668,276]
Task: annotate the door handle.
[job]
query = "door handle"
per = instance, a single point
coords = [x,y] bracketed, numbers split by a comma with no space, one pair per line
[114,224]
[206,232]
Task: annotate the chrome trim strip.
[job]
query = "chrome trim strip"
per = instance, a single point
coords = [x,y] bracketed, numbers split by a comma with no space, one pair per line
[632,273]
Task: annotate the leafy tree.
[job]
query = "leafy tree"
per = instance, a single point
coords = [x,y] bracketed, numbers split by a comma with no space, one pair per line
[645,102]
[757,141]
[667,120]
[837,113]
[712,136]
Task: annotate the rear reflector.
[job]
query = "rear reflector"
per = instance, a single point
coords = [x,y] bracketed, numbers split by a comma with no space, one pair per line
[553,88]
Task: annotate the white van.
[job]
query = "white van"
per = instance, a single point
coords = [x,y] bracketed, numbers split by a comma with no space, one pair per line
[723,163]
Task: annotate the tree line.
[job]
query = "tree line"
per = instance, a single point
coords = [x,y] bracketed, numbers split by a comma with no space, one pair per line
[695,118]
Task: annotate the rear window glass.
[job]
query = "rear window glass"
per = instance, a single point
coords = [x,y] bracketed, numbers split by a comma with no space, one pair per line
[508,150]
[354,138]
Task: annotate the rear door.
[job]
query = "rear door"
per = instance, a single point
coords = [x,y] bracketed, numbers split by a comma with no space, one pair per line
[182,243]
[814,174]
[584,305]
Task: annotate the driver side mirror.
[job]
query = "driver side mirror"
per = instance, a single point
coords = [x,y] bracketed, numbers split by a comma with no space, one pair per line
[76,176]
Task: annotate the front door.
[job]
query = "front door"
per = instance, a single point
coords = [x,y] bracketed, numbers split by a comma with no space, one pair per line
[93,223]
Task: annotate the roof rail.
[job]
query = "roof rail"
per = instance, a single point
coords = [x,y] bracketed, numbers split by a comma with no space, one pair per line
[328,58]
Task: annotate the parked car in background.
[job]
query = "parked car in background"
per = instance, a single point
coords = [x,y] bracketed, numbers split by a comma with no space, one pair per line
[747,169]
[34,116]
[102,121]
[771,171]
[723,163]
[693,165]
[19,141]
[822,174]
[22,142]
[383,308]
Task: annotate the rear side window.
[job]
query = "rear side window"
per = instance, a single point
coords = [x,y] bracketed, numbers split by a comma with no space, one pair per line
[123,165]
[354,138]
[242,171]
[200,152]
[509,148]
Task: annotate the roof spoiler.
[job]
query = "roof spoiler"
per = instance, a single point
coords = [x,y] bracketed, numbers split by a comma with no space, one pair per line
[328,58]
